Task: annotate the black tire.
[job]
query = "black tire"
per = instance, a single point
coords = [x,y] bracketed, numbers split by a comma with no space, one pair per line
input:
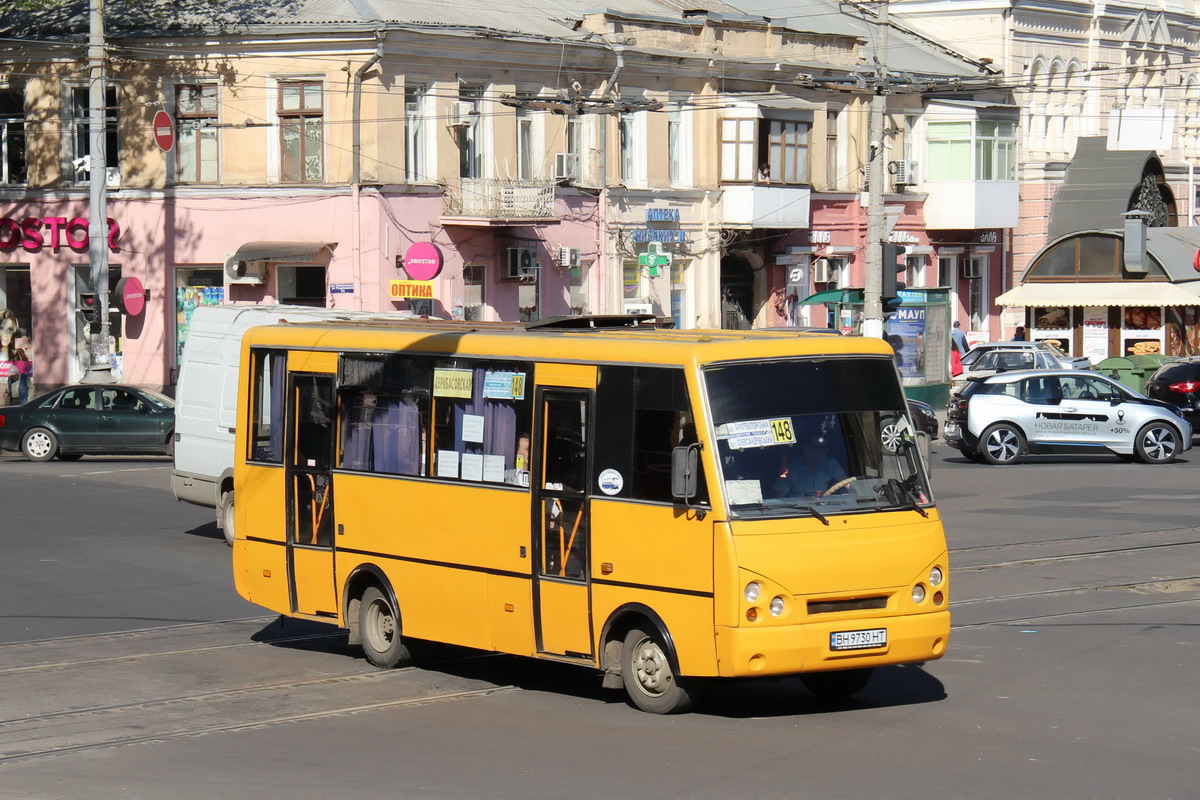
[1157,443]
[227,517]
[39,444]
[1002,444]
[379,627]
[69,456]
[650,682]
[837,685]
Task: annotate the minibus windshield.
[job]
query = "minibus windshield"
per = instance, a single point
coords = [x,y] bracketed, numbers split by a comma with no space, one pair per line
[814,437]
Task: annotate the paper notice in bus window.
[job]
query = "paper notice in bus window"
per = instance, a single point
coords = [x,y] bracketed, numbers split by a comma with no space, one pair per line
[452,382]
[757,433]
[493,469]
[472,467]
[447,463]
[472,428]
[744,493]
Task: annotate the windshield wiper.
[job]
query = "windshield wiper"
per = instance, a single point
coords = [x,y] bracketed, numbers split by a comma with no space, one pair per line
[907,492]
[809,509]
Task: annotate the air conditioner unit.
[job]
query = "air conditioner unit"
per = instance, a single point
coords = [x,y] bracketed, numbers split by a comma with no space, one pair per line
[821,271]
[904,173]
[568,257]
[566,167]
[462,113]
[969,269]
[245,272]
[521,264]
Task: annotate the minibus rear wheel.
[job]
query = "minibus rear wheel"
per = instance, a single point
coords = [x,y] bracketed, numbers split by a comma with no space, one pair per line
[379,626]
[649,679]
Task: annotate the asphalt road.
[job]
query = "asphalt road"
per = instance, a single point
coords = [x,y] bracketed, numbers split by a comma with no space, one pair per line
[130,668]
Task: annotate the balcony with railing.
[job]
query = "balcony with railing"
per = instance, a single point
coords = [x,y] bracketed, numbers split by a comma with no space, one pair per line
[497,201]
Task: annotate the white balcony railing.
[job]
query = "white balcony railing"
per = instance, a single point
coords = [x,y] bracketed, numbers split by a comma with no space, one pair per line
[499,199]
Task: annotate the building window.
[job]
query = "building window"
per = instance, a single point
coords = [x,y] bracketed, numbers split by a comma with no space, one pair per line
[414,132]
[951,144]
[575,142]
[80,136]
[833,160]
[524,143]
[675,147]
[301,285]
[977,306]
[473,292]
[767,150]
[627,134]
[469,133]
[196,119]
[12,136]
[301,117]
[737,150]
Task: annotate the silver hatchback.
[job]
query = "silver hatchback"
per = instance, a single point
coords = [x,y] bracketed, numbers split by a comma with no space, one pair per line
[1002,418]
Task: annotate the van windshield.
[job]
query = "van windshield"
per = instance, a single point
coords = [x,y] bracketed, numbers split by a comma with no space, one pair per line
[814,437]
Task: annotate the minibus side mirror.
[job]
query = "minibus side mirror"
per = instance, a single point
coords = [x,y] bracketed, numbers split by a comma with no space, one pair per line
[923,444]
[685,463]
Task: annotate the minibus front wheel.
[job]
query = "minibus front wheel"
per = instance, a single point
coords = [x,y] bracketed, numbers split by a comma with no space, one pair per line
[379,627]
[650,682]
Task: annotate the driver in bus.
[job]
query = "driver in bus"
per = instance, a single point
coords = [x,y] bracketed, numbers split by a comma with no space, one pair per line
[808,470]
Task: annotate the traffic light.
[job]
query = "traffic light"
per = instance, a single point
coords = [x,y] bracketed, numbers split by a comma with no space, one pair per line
[89,304]
[893,266]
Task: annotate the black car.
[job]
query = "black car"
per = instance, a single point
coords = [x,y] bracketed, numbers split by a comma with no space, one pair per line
[1178,383]
[93,419]
[923,417]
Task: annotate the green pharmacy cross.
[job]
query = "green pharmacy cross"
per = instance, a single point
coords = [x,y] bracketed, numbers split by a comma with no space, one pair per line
[654,258]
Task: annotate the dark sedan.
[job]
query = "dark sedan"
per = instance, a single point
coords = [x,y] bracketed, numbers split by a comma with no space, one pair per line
[923,417]
[1178,383]
[96,420]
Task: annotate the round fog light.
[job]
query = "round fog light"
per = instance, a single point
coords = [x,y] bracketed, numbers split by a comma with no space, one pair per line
[935,576]
[753,590]
[919,593]
[752,614]
[776,606]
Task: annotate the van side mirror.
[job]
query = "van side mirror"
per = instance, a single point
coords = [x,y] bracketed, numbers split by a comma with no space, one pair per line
[685,463]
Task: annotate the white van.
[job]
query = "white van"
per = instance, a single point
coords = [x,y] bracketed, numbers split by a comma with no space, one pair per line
[206,397]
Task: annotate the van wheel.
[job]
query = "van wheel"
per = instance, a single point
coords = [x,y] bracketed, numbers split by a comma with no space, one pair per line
[1002,444]
[1157,443]
[649,680]
[379,626]
[837,685]
[39,444]
[227,517]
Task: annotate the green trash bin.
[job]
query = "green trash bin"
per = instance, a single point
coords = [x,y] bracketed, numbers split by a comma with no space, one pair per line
[1149,364]
[1123,370]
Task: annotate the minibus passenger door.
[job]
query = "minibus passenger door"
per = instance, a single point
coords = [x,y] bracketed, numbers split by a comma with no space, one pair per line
[562,523]
[309,456]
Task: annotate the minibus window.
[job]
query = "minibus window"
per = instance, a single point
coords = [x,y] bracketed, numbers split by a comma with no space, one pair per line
[267,407]
[814,437]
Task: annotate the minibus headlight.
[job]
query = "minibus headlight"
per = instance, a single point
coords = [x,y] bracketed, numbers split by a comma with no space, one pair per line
[935,576]
[777,606]
[918,593]
[753,590]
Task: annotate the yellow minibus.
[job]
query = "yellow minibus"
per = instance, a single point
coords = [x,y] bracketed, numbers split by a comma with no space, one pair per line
[662,506]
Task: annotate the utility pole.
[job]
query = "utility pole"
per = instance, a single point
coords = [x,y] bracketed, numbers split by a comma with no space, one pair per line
[872,324]
[99,369]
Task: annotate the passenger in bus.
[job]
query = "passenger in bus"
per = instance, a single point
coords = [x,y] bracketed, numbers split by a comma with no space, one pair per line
[808,470]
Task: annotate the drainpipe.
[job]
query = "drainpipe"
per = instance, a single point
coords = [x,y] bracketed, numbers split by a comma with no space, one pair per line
[609,278]
[355,169]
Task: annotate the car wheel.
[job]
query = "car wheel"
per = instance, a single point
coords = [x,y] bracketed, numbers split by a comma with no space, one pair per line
[70,456]
[837,685]
[649,681]
[39,444]
[227,517]
[1002,444]
[1157,443]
